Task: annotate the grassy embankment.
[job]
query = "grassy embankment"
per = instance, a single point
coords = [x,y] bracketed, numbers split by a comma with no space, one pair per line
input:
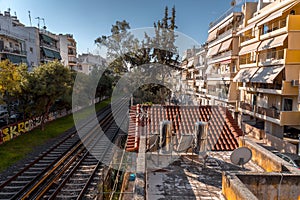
[15,150]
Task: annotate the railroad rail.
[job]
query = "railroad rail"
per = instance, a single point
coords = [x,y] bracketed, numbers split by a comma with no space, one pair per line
[67,170]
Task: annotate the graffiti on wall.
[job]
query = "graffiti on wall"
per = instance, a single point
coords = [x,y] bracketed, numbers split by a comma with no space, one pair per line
[14,130]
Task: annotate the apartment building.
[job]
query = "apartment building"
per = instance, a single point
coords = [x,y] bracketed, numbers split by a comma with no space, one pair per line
[17,42]
[87,62]
[269,62]
[200,76]
[189,74]
[222,58]
[49,46]
[68,50]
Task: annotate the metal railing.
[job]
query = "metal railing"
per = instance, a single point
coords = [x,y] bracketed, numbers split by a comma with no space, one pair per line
[14,51]
[246,106]
[248,59]
[270,112]
[220,56]
[270,27]
[271,56]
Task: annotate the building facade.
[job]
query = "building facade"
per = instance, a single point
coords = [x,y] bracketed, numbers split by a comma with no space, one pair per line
[68,50]
[269,69]
[87,62]
[222,58]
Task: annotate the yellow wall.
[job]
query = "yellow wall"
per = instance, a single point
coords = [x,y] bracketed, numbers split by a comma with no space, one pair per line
[292,56]
[292,72]
[294,22]
[292,37]
[289,118]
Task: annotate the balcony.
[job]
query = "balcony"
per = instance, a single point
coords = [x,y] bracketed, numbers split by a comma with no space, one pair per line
[221,76]
[247,60]
[273,26]
[246,106]
[50,46]
[271,114]
[271,57]
[13,51]
[221,56]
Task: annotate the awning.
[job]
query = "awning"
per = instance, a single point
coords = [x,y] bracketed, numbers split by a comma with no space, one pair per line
[272,42]
[47,38]
[225,45]
[276,14]
[244,75]
[226,23]
[16,59]
[250,26]
[266,74]
[57,55]
[212,35]
[249,48]
[51,54]
[213,50]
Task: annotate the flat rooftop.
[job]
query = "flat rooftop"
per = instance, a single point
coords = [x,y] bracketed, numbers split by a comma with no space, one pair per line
[187,178]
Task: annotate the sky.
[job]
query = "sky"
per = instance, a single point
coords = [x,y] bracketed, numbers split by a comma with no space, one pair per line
[89,19]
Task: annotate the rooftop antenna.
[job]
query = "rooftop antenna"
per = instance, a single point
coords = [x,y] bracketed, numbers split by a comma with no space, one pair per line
[38,18]
[29,17]
[44,27]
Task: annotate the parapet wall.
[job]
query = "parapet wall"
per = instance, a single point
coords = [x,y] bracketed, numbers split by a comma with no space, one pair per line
[271,186]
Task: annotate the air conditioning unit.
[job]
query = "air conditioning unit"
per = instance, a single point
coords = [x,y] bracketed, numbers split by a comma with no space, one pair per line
[295,82]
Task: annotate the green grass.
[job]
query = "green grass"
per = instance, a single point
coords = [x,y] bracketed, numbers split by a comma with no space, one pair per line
[17,149]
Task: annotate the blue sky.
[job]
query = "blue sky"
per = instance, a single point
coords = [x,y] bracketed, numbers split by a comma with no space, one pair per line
[87,20]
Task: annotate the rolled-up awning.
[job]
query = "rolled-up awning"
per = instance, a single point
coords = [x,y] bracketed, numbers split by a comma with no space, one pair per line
[266,74]
[213,50]
[277,13]
[212,35]
[272,42]
[248,27]
[225,45]
[244,75]
[249,48]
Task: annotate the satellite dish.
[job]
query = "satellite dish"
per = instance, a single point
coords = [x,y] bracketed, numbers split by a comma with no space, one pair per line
[241,156]
[232,3]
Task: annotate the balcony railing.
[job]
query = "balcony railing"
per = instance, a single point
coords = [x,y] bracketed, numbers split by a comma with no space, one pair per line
[48,45]
[13,51]
[271,56]
[226,33]
[220,56]
[270,112]
[270,27]
[248,59]
[246,106]
[221,75]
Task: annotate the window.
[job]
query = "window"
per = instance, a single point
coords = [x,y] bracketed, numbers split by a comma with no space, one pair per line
[287,104]
[265,29]
[31,50]
[10,45]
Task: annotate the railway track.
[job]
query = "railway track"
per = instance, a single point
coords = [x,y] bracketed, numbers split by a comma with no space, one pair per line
[67,170]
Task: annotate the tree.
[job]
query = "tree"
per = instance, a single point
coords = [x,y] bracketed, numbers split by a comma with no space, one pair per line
[118,44]
[48,83]
[12,81]
[129,53]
